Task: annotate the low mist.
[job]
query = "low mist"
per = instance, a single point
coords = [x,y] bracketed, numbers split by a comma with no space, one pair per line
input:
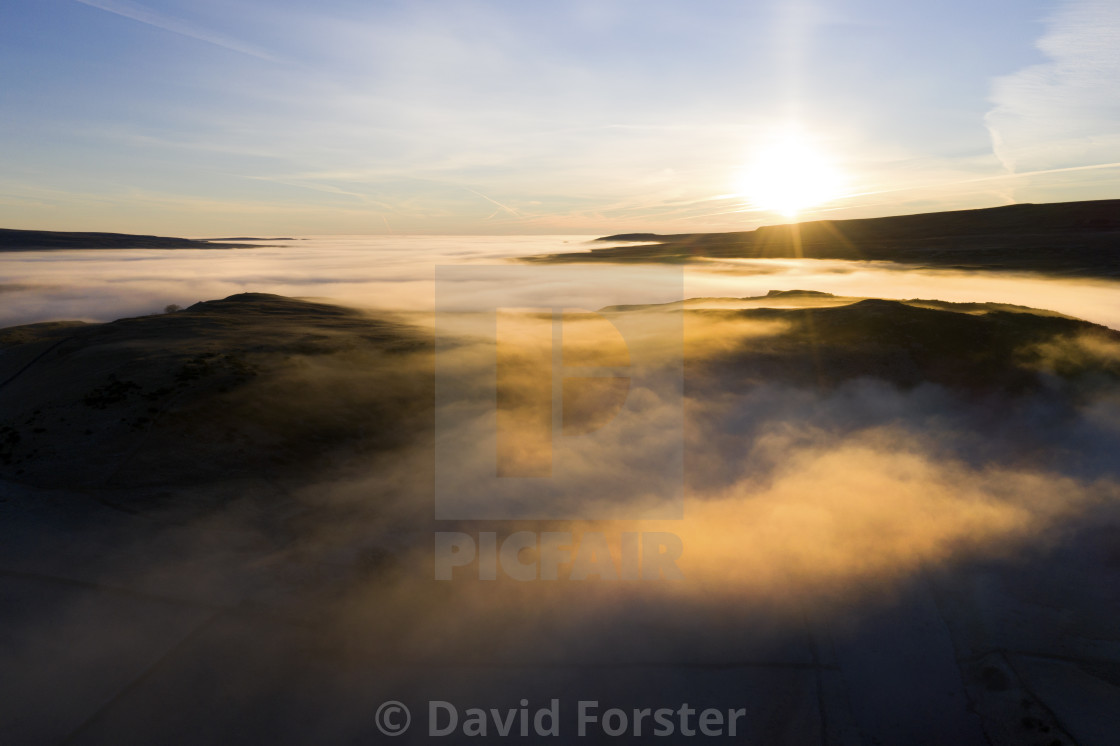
[812,511]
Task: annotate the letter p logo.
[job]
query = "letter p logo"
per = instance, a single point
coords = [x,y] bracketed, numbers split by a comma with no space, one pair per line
[545,410]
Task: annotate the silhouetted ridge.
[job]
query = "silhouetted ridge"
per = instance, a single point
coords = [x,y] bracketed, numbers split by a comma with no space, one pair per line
[1068,238]
[22,240]
[798,294]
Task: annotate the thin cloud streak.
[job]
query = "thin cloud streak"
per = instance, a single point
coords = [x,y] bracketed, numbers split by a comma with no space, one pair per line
[150,17]
[501,207]
[979,179]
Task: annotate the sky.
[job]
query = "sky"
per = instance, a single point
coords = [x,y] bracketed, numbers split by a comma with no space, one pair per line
[276,117]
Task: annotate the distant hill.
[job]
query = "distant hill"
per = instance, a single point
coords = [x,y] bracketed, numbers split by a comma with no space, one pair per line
[980,349]
[17,240]
[251,238]
[1067,238]
[253,386]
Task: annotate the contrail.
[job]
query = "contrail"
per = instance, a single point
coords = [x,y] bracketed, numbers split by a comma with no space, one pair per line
[139,13]
[978,179]
[501,207]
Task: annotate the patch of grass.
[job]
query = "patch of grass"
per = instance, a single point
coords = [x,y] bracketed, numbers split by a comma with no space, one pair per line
[112,392]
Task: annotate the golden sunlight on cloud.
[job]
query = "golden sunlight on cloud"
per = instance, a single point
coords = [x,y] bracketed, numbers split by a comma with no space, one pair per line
[867,511]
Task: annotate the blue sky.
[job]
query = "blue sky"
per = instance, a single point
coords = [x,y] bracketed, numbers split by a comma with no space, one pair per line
[205,117]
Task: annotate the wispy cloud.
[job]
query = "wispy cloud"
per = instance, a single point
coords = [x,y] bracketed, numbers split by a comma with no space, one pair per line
[138,12]
[1063,112]
[501,208]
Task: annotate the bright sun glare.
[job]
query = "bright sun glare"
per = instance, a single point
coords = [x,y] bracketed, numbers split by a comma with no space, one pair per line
[789,175]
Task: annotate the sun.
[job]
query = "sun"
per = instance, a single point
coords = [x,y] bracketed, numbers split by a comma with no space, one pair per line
[788,175]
